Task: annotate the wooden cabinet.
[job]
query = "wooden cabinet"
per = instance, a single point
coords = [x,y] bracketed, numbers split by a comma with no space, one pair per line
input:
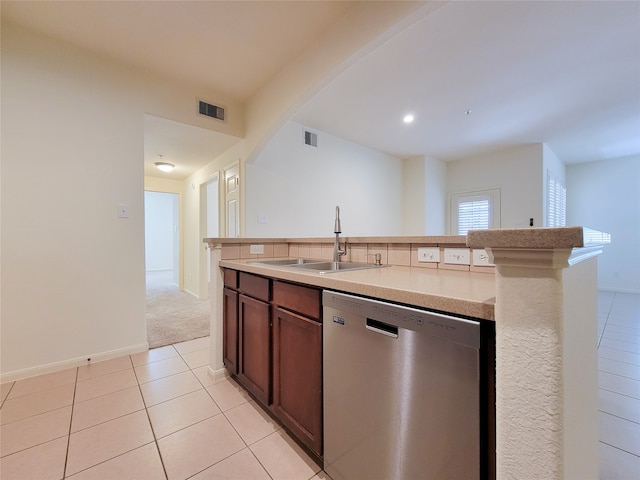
[255,347]
[254,320]
[297,375]
[297,361]
[230,321]
[230,330]
[272,334]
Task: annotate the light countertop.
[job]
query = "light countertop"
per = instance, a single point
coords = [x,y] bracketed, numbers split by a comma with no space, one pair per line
[465,293]
[468,293]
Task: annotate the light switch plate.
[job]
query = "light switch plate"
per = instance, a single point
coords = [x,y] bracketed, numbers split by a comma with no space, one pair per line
[256,249]
[428,254]
[481,258]
[457,256]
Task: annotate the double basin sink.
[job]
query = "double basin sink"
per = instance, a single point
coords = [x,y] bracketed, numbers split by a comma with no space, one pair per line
[319,266]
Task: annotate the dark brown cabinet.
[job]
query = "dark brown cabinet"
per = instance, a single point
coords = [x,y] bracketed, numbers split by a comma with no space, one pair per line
[230,330]
[254,335]
[255,347]
[297,375]
[272,334]
[230,321]
[297,361]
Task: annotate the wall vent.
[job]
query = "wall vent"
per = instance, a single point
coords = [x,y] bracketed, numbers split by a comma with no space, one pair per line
[211,110]
[310,138]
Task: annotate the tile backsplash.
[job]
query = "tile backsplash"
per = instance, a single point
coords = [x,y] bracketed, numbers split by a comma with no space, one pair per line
[397,253]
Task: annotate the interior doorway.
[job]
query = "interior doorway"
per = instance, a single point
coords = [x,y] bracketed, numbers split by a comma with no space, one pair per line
[162,237]
[172,315]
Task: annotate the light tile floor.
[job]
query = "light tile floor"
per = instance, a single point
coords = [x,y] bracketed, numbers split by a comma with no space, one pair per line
[154,415]
[619,382]
[157,415]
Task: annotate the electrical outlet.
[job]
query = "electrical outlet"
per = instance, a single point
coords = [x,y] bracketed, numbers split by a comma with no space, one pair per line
[457,256]
[256,249]
[262,218]
[481,257]
[428,254]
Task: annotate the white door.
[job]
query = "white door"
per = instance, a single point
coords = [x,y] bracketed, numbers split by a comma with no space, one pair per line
[232,200]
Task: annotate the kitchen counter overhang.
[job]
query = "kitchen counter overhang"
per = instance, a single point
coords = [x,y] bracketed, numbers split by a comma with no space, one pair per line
[463,293]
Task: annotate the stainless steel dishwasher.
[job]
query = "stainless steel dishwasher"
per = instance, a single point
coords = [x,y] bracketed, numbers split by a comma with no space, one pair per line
[401,392]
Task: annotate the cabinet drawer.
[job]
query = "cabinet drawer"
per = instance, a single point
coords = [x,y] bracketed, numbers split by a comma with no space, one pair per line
[304,300]
[230,278]
[255,286]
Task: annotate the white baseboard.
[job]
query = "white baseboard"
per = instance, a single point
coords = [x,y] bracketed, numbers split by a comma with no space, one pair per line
[216,375]
[190,292]
[194,294]
[619,290]
[72,362]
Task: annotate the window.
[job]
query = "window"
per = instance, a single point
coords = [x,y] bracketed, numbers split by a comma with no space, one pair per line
[556,202]
[475,211]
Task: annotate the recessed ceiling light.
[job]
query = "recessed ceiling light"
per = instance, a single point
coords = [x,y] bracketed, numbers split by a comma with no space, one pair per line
[408,118]
[467,112]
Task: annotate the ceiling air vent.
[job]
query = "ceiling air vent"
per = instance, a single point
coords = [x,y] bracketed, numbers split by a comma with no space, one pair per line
[211,110]
[310,138]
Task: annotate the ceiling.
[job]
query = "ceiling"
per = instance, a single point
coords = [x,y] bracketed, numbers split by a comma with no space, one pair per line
[482,76]
[187,147]
[478,76]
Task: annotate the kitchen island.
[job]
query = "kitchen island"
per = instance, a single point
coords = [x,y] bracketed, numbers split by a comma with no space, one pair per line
[541,293]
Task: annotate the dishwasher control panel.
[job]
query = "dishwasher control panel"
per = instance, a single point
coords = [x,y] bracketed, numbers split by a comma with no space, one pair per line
[452,328]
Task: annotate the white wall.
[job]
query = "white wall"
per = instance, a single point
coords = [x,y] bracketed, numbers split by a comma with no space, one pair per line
[605,196]
[298,187]
[160,225]
[72,272]
[424,196]
[413,196]
[435,196]
[517,172]
[73,275]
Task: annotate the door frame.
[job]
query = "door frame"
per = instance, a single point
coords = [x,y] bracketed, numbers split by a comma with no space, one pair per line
[204,261]
[177,235]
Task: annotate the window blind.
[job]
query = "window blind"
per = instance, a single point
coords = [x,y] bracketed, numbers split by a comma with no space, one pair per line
[473,215]
[556,202]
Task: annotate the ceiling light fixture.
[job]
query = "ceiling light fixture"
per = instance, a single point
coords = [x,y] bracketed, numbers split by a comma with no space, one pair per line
[164,166]
[408,118]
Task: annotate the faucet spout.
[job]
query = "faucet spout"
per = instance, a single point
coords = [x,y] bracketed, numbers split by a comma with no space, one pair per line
[337,229]
[336,226]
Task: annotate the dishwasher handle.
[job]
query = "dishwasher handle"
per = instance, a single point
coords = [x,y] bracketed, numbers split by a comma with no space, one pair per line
[382,328]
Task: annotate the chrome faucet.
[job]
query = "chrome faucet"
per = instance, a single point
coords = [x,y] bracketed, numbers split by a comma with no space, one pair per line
[337,229]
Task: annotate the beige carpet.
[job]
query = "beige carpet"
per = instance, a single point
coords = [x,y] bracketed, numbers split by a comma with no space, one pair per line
[173,316]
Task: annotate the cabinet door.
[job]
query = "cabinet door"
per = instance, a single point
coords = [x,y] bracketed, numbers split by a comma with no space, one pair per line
[297,376]
[230,330]
[255,347]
